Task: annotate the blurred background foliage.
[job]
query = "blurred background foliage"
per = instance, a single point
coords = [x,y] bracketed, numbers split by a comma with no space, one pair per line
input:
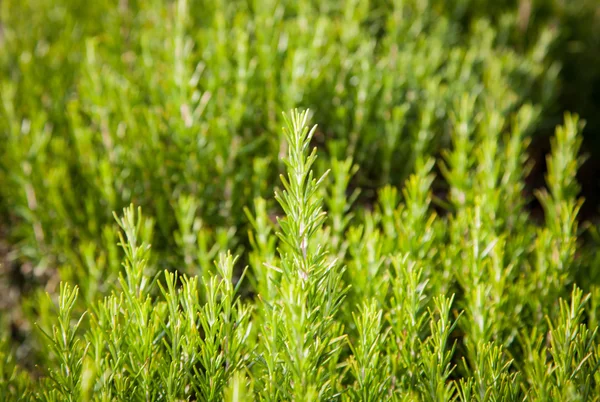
[175,106]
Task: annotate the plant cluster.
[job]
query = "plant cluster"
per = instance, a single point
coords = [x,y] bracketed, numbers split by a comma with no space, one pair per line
[398,303]
[174,107]
[404,263]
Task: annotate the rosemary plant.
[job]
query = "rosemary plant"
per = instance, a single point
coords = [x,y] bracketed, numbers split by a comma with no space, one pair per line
[412,306]
[400,251]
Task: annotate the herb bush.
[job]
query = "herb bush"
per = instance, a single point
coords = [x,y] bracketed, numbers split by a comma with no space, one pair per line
[402,263]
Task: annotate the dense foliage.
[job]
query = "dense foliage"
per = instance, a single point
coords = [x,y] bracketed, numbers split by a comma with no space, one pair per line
[402,263]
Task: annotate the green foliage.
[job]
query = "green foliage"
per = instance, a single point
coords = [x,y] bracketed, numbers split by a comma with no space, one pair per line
[174,106]
[172,336]
[404,263]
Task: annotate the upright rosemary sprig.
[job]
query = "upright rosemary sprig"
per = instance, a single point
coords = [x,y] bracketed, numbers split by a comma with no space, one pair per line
[310,290]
